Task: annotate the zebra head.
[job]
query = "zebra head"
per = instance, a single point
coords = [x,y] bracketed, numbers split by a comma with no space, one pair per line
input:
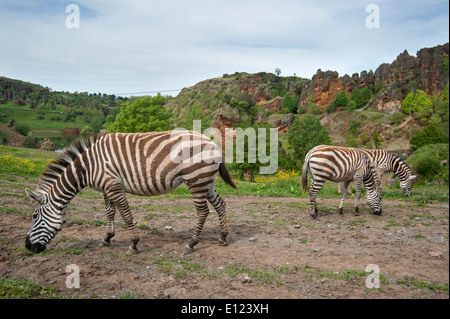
[406,184]
[47,220]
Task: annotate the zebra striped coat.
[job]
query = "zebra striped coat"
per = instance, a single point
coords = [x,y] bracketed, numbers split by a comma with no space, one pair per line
[142,164]
[387,162]
[341,164]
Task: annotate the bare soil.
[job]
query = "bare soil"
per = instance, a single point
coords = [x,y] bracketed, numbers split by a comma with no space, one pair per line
[275,249]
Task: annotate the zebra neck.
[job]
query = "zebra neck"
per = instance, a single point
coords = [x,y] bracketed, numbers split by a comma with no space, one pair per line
[400,169]
[68,185]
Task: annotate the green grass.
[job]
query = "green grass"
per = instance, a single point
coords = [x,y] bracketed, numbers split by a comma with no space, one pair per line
[24,161]
[24,289]
[30,163]
[409,281]
[25,115]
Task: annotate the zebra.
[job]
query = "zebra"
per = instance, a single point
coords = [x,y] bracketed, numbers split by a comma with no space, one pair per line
[340,164]
[386,163]
[115,164]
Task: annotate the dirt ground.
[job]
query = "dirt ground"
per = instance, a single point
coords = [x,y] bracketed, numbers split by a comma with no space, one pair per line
[275,249]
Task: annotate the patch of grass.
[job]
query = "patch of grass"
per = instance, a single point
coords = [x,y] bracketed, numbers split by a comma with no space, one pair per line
[354,222]
[410,281]
[24,289]
[24,161]
[180,267]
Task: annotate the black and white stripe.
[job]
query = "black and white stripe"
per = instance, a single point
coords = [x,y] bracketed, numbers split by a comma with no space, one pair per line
[135,163]
[340,164]
[386,162]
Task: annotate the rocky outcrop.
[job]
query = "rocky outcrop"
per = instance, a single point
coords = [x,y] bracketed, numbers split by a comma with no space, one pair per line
[326,85]
[391,82]
[274,105]
[425,72]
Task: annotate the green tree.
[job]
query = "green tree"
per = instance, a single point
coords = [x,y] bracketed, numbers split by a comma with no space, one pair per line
[365,95]
[145,114]
[330,108]
[360,97]
[429,135]
[195,112]
[305,133]
[251,162]
[417,101]
[290,103]
[341,99]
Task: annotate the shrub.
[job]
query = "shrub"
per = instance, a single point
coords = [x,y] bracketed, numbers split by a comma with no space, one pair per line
[341,99]
[429,135]
[427,165]
[397,118]
[330,108]
[22,129]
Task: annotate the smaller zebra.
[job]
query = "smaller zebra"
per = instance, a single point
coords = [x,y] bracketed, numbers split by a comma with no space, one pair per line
[386,163]
[340,164]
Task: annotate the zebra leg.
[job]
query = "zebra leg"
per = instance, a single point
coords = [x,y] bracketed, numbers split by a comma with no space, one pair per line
[201,206]
[314,188]
[344,194]
[358,183]
[110,213]
[117,197]
[220,206]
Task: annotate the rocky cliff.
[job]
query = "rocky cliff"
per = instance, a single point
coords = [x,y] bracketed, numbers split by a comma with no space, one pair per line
[390,83]
[242,98]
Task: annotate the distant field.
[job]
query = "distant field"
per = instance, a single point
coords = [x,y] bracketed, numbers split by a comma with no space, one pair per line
[42,121]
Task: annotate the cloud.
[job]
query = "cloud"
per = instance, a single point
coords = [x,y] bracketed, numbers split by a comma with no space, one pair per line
[136,46]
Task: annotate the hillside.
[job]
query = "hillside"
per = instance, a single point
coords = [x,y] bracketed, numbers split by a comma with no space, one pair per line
[361,110]
[241,99]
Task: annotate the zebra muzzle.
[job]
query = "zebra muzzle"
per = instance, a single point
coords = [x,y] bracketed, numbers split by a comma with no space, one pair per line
[36,248]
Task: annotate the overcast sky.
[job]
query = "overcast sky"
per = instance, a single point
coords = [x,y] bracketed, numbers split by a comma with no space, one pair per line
[142,46]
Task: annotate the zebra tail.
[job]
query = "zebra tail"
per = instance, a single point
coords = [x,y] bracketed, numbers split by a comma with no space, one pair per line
[225,174]
[305,176]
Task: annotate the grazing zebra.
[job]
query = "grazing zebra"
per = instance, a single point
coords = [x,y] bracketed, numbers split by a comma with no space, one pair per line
[340,164]
[387,162]
[141,164]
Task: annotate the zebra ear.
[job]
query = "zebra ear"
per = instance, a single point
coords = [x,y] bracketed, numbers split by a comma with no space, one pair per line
[34,196]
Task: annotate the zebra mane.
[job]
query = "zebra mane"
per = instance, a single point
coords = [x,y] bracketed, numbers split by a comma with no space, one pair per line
[58,165]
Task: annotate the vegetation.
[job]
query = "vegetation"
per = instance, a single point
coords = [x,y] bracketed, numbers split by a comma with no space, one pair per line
[427,160]
[305,133]
[143,115]
[24,289]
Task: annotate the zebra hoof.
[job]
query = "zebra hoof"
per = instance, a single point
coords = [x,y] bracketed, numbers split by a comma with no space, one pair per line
[132,251]
[187,250]
[222,242]
[314,216]
[104,243]
[341,211]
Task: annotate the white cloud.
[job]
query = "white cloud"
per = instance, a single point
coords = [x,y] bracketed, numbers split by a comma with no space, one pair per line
[136,46]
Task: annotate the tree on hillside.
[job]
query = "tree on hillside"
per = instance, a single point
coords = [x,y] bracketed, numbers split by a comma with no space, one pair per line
[341,99]
[145,114]
[305,133]
[196,113]
[415,102]
[290,103]
[251,162]
[429,135]
[278,71]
